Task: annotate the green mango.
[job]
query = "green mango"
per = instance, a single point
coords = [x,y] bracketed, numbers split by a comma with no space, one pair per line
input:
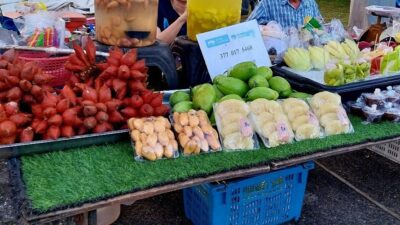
[300,95]
[258,81]
[204,97]
[280,84]
[231,85]
[218,92]
[262,92]
[178,96]
[231,96]
[184,106]
[243,71]
[264,71]
[217,78]
[285,94]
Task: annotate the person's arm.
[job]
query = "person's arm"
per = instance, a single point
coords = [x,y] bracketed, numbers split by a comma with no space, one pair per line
[260,13]
[168,35]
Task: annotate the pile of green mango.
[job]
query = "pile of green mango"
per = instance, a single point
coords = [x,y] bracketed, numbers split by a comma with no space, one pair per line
[245,81]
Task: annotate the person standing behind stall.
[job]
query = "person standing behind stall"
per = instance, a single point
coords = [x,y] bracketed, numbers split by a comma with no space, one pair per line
[288,13]
[171,20]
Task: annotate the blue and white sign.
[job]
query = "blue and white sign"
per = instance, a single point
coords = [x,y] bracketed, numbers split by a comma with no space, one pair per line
[226,47]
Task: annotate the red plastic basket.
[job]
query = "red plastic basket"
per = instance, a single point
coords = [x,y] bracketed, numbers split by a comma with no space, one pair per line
[50,65]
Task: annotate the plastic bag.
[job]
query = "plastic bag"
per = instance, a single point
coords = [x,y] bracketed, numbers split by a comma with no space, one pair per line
[329,110]
[43,29]
[195,133]
[302,120]
[236,131]
[270,122]
[152,138]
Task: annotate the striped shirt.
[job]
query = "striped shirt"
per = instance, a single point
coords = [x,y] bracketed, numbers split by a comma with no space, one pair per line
[284,13]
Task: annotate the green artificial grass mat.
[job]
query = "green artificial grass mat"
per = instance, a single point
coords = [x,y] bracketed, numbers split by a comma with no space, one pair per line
[70,178]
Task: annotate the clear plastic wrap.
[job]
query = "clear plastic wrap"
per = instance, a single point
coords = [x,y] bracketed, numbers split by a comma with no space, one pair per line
[235,129]
[302,120]
[195,133]
[270,122]
[372,114]
[329,110]
[43,29]
[152,138]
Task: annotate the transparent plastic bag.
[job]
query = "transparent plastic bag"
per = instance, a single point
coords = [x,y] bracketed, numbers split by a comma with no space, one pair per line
[270,122]
[43,29]
[235,129]
[152,139]
[195,133]
[303,121]
[329,110]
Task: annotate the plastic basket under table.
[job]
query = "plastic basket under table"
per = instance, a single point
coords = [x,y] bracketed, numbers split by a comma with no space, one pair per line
[272,198]
[50,65]
[390,150]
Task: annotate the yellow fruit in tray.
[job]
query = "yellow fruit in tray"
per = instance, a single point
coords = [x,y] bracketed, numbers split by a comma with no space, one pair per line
[336,127]
[322,98]
[264,118]
[232,106]
[273,139]
[299,121]
[231,118]
[307,131]
[232,140]
[327,118]
[297,112]
[268,128]
[259,106]
[229,129]
[328,108]
[290,103]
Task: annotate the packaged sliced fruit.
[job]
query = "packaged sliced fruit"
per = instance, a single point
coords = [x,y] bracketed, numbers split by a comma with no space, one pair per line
[392,112]
[391,95]
[234,126]
[372,114]
[195,132]
[329,110]
[303,121]
[270,122]
[355,107]
[152,138]
[377,98]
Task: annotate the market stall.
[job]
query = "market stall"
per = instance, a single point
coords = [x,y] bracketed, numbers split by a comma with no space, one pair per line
[101,135]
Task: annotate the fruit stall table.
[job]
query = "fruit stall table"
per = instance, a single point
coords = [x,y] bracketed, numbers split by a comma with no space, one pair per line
[65,183]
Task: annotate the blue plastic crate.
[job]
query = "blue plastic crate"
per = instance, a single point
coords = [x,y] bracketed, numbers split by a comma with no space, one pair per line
[272,198]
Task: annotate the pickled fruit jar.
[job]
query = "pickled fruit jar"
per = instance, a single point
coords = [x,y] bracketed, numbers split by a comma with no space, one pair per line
[206,15]
[126,23]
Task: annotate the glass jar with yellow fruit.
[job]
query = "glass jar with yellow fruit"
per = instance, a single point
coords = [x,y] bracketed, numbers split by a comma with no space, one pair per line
[206,15]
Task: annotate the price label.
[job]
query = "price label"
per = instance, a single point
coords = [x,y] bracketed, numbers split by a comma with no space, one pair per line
[226,47]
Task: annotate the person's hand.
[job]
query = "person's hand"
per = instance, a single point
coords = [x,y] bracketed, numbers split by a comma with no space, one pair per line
[182,18]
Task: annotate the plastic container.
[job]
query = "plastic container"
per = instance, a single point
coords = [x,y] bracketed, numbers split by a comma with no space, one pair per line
[234,126]
[270,122]
[303,121]
[390,150]
[195,133]
[266,199]
[329,110]
[50,65]
[152,139]
[126,23]
[207,15]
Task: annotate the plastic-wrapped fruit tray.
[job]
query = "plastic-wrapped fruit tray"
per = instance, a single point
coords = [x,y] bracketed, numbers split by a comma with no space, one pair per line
[347,91]
[41,146]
